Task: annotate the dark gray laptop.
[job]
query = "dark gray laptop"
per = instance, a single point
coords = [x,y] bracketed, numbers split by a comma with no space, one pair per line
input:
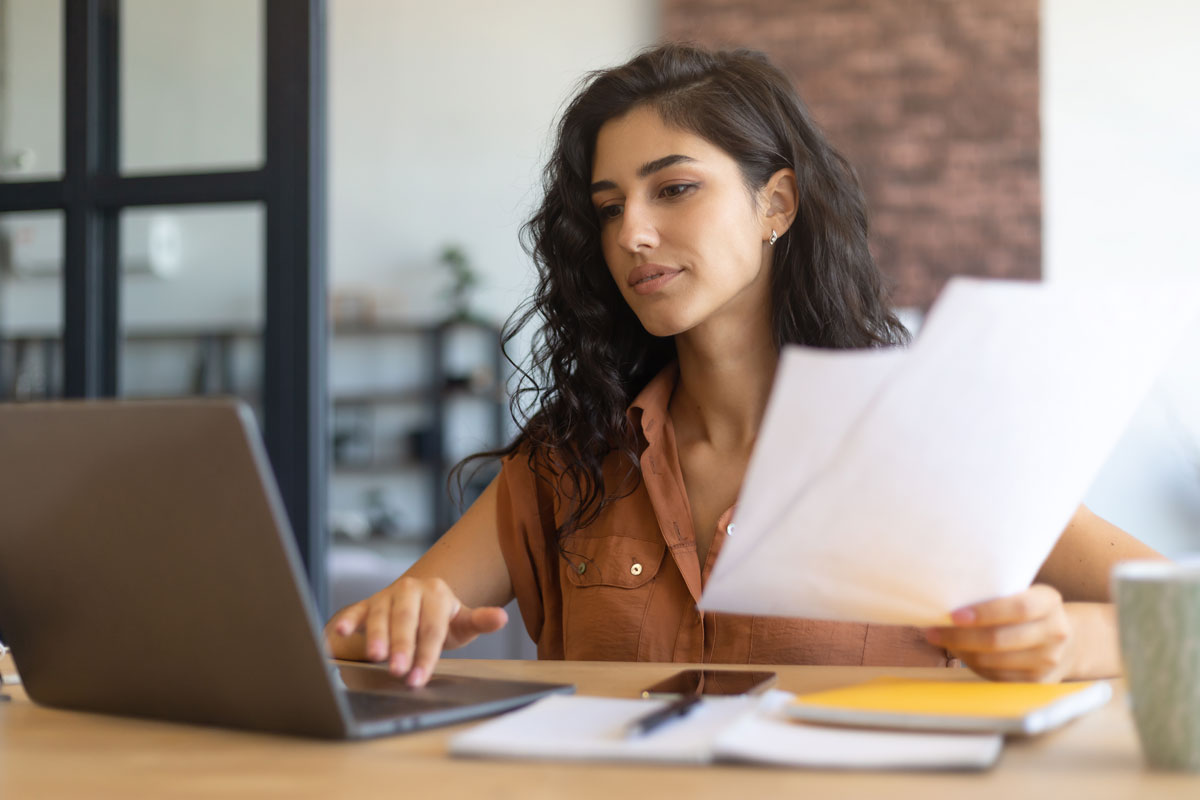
[147,568]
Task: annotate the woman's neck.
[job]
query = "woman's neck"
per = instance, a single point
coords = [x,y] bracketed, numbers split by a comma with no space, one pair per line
[725,380]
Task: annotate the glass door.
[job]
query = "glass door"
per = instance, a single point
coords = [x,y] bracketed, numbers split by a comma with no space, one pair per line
[162,215]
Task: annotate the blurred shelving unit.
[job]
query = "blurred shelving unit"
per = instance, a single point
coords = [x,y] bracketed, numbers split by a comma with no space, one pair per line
[161,362]
[408,401]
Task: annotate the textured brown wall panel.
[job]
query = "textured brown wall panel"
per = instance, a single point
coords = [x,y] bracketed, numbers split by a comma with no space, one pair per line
[935,102]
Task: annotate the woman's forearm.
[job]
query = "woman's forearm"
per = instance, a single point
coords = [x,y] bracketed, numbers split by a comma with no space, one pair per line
[1096,644]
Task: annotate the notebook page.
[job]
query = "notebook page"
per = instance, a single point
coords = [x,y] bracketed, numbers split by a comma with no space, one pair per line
[594,729]
[771,738]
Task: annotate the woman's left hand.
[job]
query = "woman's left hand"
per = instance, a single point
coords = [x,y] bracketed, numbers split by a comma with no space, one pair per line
[1023,637]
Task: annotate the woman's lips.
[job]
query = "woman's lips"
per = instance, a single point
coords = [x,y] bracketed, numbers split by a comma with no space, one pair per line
[649,278]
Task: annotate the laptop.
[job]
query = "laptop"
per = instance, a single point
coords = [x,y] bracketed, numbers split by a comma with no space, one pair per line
[147,569]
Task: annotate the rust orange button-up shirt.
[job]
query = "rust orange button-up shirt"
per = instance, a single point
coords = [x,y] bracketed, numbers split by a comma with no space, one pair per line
[625,587]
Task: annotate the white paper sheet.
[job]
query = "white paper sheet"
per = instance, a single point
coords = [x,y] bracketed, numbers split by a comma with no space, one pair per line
[897,487]
[771,738]
[744,729]
[593,729]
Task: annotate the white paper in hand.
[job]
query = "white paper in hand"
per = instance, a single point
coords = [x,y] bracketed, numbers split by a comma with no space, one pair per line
[893,487]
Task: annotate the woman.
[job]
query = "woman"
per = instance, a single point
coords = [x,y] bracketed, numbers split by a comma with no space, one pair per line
[694,221]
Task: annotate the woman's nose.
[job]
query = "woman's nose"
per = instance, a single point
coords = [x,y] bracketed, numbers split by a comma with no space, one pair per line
[638,230]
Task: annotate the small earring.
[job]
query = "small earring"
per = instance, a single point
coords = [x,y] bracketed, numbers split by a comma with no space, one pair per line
[774,237]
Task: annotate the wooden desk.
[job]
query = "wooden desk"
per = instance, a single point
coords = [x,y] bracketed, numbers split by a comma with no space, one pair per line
[49,753]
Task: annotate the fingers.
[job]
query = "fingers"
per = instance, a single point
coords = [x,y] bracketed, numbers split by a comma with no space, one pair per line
[1034,660]
[346,621]
[377,624]
[1022,637]
[437,608]
[489,619]
[1010,676]
[1034,603]
[343,638]
[406,614]
[1036,664]
[408,624]
[446,623]
[471,622]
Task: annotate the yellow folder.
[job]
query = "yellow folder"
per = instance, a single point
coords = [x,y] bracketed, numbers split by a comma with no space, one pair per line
[1015,708]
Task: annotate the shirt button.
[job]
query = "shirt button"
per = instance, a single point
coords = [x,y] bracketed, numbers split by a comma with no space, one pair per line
[636,569]
[729,529]
[582,567]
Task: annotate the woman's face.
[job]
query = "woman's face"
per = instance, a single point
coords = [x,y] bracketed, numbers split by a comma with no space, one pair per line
[682,236]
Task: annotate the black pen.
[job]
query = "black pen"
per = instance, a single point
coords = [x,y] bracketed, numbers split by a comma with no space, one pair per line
[656,719]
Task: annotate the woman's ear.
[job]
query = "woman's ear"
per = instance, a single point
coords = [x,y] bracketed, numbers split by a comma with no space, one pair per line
[779,200]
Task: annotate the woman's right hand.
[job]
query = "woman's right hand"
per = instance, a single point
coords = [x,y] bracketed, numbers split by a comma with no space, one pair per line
[408,624]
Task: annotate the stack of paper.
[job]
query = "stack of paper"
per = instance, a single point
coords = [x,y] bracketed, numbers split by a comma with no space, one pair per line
[896,486]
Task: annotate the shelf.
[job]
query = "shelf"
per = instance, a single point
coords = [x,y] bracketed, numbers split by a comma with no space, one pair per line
[440,372]
[380,468]
[384,328]
[411,543]
[141,335]
[385,397]
[382,397]
[379,329]
[148,335]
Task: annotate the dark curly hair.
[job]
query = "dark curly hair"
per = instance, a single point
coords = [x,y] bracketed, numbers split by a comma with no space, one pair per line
[591,355]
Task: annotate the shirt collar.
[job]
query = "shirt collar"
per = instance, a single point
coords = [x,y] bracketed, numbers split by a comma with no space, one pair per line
[649,409]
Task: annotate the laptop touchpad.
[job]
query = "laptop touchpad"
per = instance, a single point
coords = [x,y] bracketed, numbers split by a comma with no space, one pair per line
[445,690]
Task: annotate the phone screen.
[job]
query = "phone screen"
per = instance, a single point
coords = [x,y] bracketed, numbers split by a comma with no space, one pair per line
[711,682]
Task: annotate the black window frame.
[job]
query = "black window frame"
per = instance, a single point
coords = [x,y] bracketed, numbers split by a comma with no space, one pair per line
[290,186]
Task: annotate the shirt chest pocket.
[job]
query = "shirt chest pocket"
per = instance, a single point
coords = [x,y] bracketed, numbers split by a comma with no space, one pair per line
[608,582]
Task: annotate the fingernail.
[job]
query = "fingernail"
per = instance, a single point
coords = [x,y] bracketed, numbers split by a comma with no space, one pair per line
[963,616]
[377,651]
[400,663]
[416,677]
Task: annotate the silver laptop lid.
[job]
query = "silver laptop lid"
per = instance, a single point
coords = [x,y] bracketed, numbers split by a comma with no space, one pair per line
[147,567]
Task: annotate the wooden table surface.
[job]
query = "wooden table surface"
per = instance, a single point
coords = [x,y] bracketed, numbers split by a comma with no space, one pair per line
[49,753]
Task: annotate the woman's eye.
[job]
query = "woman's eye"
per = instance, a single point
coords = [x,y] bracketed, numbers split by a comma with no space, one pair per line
[677,189]
[611,212]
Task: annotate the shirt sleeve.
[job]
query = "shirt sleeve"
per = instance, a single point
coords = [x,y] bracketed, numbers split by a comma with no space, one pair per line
[528,541]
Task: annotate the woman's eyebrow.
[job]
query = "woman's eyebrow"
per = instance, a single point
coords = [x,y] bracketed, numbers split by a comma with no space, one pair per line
[649,168]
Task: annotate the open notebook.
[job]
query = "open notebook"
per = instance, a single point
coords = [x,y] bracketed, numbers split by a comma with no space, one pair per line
[744,729]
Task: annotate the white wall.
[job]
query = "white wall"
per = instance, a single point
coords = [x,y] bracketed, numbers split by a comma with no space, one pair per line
[1121,178]
[439,115]
[1121,137]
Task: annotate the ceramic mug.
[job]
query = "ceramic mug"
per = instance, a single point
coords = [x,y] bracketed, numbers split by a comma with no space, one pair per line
[1158,608]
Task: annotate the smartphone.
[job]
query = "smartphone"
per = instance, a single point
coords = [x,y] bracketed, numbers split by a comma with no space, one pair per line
[711,682]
